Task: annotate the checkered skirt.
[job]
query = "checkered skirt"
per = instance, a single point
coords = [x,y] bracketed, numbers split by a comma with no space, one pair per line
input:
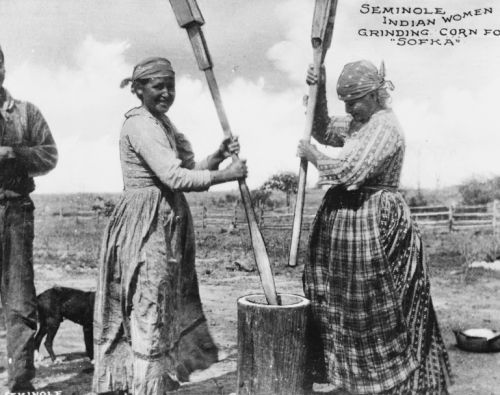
[373,327]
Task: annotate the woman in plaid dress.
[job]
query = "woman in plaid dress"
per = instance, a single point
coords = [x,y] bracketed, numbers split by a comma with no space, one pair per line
[374,329]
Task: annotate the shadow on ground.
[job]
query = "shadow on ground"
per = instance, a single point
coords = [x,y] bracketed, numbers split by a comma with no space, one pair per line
[222,385]
[72,375]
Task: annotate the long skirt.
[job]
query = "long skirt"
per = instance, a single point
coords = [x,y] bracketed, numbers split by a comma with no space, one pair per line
[149,328]
[373,329]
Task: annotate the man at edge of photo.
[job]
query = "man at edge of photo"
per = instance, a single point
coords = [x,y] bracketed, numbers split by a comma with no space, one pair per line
[27,150]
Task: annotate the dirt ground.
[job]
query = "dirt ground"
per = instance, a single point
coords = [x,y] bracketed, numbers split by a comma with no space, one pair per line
[458,304]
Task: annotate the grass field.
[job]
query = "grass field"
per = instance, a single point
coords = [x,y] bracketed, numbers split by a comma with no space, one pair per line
[67,250]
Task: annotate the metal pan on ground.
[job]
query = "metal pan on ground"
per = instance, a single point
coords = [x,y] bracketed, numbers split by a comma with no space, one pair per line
[478,340]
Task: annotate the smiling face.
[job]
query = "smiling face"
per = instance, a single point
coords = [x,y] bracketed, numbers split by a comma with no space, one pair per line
[363,108]
[157,94]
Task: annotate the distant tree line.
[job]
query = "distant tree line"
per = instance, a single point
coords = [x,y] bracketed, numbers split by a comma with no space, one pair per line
[473,191]
[103,206]
[415,197]
[262,197]
[480,191]
[286,182]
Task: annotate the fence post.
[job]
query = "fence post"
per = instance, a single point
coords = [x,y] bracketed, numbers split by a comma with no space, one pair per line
[204,216]
[495,245]
[494,217]
[450,218]
[235,217]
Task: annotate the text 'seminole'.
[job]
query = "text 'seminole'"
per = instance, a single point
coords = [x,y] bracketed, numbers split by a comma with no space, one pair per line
[432,26]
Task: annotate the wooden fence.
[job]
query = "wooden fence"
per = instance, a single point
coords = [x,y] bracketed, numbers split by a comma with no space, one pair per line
[458,217]
[446,218]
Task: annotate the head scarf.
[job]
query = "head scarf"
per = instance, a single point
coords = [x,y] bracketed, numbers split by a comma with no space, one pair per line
[150,68]
[360,78]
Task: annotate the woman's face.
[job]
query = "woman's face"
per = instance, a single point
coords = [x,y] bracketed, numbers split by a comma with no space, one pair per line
[363,108]
[158,94]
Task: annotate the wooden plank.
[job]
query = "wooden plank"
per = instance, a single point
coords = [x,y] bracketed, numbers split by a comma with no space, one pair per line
[483,215]
[430,214]
[220,216]
[416,208]
[458,227]
[478,206]
[465,222]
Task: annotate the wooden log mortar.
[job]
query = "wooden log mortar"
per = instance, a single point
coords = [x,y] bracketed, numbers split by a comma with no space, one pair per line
[272,345]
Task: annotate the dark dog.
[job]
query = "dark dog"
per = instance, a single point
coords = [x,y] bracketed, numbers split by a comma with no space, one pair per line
[59,303]
[196,349]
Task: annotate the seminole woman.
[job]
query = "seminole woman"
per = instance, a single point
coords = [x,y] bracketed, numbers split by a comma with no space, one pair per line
[149,326]
[374,329]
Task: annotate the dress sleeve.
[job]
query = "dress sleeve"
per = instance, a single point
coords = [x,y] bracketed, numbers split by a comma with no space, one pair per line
[326,130]
[185,150]
[364,156]
[150,142]
[39,156]
[337,131]
[186,154]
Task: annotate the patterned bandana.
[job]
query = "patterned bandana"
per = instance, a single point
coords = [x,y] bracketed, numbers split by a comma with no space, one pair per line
[150,68]
[360,78]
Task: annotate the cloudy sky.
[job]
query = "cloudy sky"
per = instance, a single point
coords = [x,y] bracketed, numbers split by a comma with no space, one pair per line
[68,57]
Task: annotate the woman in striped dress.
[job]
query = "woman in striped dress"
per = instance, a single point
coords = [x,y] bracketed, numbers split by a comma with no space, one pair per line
[150,331]
[374,329]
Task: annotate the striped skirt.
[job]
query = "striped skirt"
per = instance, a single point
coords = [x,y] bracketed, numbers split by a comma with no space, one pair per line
[373,327]
[150,331]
